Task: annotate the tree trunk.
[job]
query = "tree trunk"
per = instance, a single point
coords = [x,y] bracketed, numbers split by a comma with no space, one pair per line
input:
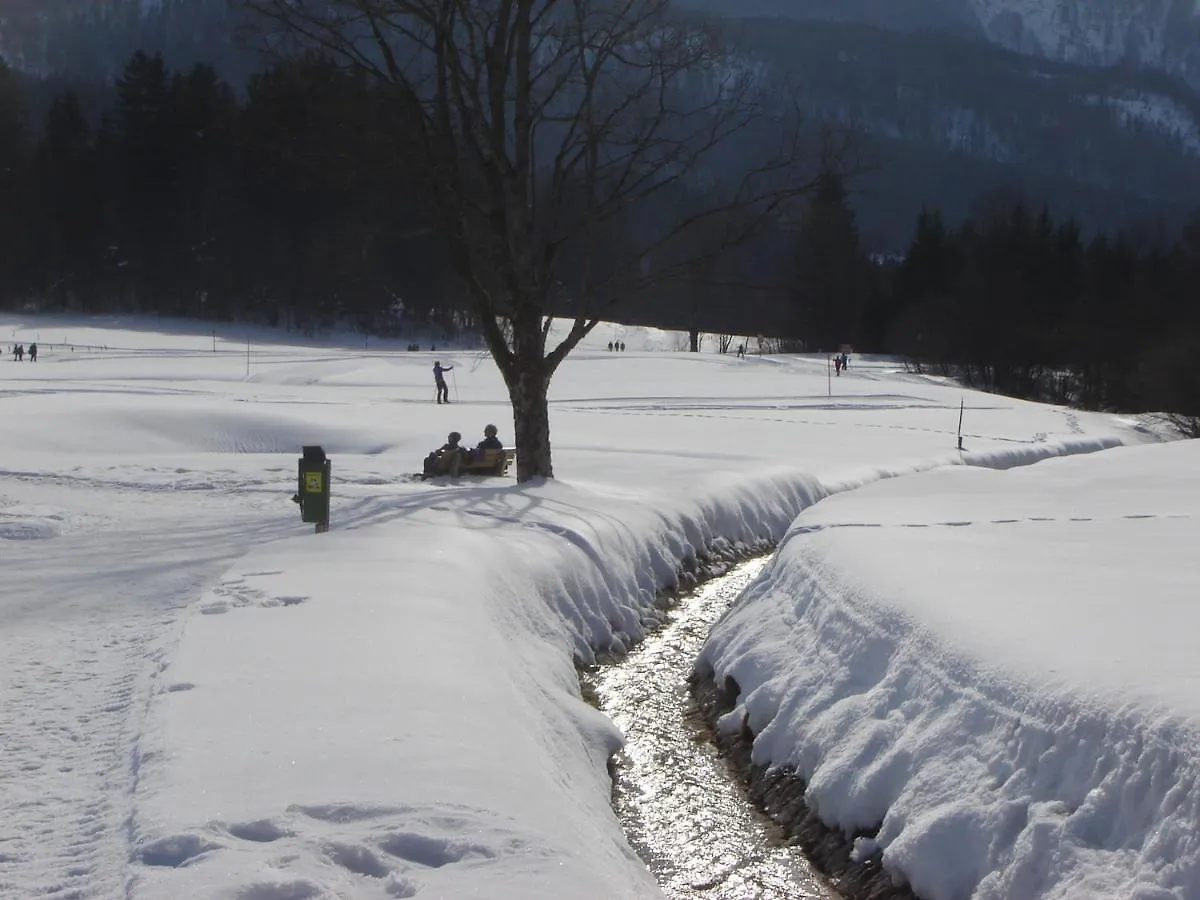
[528,381]
[694,340]
[531,426]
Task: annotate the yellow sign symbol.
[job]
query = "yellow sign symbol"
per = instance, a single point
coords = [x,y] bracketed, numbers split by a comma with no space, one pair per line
[312,482]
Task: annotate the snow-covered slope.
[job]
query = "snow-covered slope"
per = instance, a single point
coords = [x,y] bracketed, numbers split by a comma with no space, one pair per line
[1159,34]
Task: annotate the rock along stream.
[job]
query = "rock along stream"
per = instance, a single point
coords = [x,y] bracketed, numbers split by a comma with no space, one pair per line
[682,807]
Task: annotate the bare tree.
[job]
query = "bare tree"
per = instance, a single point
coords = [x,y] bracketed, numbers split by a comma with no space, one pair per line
[559,138]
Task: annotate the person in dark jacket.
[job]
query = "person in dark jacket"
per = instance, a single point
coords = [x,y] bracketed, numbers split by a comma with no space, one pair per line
[446,459]
[490,441]
[439,379]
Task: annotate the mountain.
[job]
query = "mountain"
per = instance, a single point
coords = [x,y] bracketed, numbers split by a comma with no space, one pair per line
[92,39]
[947,118]
[1155,34]
[954,97]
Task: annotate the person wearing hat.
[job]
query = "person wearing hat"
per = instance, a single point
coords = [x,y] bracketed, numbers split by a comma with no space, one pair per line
[439,381]
[490,441]
[447,458]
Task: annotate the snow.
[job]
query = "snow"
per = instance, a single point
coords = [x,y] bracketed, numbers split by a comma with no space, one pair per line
[199,697]
[1100,33]
[1005,673]
[1156,112]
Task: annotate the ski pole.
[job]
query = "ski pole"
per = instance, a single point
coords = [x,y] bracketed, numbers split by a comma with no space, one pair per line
[454,378]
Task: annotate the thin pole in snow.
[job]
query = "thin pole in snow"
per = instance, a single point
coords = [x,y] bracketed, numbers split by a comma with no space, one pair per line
[214,340]
[247,356]
[961,408]
[829,375]
[454,379]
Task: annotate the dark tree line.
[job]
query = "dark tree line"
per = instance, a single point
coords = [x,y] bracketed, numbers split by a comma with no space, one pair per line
[303,201]
[1014,301]
[1010,300]
[290,204]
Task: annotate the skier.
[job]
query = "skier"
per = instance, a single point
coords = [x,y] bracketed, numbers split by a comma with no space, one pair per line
[33,352]
[439,380]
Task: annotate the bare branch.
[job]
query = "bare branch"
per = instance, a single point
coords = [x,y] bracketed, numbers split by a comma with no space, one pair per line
[578,151]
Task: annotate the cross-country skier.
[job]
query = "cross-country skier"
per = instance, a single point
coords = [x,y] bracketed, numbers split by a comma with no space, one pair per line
[439,379]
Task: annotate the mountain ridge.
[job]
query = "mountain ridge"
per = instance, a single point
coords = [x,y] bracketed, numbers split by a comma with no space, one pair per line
[1156,34]
[955,114]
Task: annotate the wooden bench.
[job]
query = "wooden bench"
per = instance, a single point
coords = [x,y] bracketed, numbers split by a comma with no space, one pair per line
[488,462]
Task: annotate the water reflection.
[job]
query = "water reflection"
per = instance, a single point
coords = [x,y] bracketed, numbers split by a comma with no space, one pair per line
[680,805]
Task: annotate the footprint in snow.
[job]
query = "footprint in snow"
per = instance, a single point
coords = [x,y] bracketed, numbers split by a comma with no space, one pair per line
[281,890]
[357,859]
[173,852]
[262,831]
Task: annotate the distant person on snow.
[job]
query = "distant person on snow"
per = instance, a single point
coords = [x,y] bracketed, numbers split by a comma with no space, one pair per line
[19,352]
[439,380]
[33,352]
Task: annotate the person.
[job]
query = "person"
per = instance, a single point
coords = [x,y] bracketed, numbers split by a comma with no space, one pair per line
[490,441]
[33,352]
[439,380]
[741,351]
[837,365]
[447,458]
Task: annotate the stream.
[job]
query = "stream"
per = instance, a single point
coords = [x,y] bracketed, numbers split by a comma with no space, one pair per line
[682,808]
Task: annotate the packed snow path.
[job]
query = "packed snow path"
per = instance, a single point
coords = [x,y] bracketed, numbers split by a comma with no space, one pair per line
[78,667]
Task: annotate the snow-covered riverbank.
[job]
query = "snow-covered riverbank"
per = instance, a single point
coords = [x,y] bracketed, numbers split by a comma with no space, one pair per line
[389,709]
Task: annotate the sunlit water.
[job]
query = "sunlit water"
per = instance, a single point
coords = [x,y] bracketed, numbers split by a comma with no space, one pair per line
[681,807]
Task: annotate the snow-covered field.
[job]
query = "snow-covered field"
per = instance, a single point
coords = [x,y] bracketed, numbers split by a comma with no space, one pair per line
[201,698]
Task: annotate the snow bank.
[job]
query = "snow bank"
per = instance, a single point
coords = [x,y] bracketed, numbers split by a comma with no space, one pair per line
[389,709]
[342,659]
[997,668]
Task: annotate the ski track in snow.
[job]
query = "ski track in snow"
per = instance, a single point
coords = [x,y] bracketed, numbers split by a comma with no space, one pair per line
[76,679]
